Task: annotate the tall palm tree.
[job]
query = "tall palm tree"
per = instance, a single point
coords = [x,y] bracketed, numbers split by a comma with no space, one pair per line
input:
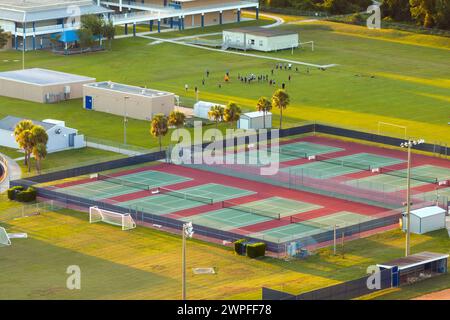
[176,119]
[159,127]
[264,105]
[21,138]
[232,113]
[39,153]
[216,114]
[280,100]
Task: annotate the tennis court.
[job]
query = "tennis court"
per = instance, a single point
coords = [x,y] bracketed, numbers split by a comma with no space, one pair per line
[239,215]
[107,186]
[168,201]
[300,228]
[324,167]
[443,193]
[391,181]
[287,152]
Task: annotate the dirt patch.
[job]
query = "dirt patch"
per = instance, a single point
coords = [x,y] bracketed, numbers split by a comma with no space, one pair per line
[438,295]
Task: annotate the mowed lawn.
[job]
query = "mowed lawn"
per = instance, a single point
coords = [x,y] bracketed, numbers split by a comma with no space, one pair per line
[384,75]
[145,264]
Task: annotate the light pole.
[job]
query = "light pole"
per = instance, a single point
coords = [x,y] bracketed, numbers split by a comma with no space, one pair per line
[125,120]
[188,231]
[409,144]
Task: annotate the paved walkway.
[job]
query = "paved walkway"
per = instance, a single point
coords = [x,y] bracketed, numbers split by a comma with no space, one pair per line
[14,172]
[241,53]
[120,150]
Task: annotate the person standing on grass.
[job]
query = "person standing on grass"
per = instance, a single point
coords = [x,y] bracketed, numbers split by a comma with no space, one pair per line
[186,87]
[283,86]
[203,82]
[207,73]
[289,78]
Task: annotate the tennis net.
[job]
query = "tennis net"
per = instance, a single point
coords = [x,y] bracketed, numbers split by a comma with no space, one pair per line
[185,195]
[123,182]
[247,209]
[295,154]
[310,223]
[404,174]
[344,163]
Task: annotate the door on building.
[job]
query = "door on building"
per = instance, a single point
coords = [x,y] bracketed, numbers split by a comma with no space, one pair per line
[88,102]
[72,140]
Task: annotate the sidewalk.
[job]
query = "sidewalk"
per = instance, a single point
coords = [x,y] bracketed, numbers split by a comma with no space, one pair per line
[14,173]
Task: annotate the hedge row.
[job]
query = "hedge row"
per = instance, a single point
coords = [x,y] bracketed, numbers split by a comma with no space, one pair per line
[251,250]
[21,194]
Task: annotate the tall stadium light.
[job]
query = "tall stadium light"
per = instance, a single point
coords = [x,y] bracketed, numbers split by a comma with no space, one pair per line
[125,119]
[409,144]
[188,232]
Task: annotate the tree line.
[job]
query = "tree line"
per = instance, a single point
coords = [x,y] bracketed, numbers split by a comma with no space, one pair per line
[231,113]
[425,13]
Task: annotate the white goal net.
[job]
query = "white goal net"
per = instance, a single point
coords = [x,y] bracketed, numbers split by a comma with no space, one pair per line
[4,238]
[118,219]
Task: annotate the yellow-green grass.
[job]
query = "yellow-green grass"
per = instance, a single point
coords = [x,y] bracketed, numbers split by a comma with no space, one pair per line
[379,78]
[145,263]
[68,158]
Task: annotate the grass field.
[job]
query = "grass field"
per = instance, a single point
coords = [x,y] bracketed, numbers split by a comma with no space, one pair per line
[384,75]
[145,264]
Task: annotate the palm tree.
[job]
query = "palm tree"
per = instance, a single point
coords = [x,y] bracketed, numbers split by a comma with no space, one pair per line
[216,114]
[176,119]
[280,100]
[39,153]
[264,105]
[159,127]
[25,139]
[232,113]
[22,138]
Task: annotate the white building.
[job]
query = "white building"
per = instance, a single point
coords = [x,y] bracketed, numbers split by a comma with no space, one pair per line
[201,109]
[255,120]
[425,220]
[260,39]
[60,137]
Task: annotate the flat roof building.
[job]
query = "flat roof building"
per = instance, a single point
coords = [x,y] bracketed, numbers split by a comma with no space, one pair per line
[260,39]
[255,120]
[42,85]
[425,220]
[125,100]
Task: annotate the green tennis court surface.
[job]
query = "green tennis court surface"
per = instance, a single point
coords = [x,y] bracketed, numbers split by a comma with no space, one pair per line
[287,152]
[171,202]
[324,168]
[396,180]
[298,228]
[251,213]
[103,189]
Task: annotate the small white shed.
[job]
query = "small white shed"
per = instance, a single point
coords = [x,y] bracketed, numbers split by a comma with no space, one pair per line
[255,120]
[201,109]
[425,220]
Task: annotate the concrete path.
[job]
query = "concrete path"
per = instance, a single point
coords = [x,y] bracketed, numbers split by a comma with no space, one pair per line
[105,147]
[241,53]
[278,20]
[14,172]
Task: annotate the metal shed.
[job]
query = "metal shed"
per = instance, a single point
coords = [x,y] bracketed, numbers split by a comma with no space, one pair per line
[255,120]
[425,220]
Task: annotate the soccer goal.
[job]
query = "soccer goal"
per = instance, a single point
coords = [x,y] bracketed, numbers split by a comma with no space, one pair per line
[118,219]
[5,237]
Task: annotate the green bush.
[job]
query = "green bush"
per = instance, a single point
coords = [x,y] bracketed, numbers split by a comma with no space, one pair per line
[28,195]
[238,246]
[12,192]
[256,250]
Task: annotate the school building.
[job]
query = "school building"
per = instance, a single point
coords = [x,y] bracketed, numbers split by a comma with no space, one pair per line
[33,24]
[179,14]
